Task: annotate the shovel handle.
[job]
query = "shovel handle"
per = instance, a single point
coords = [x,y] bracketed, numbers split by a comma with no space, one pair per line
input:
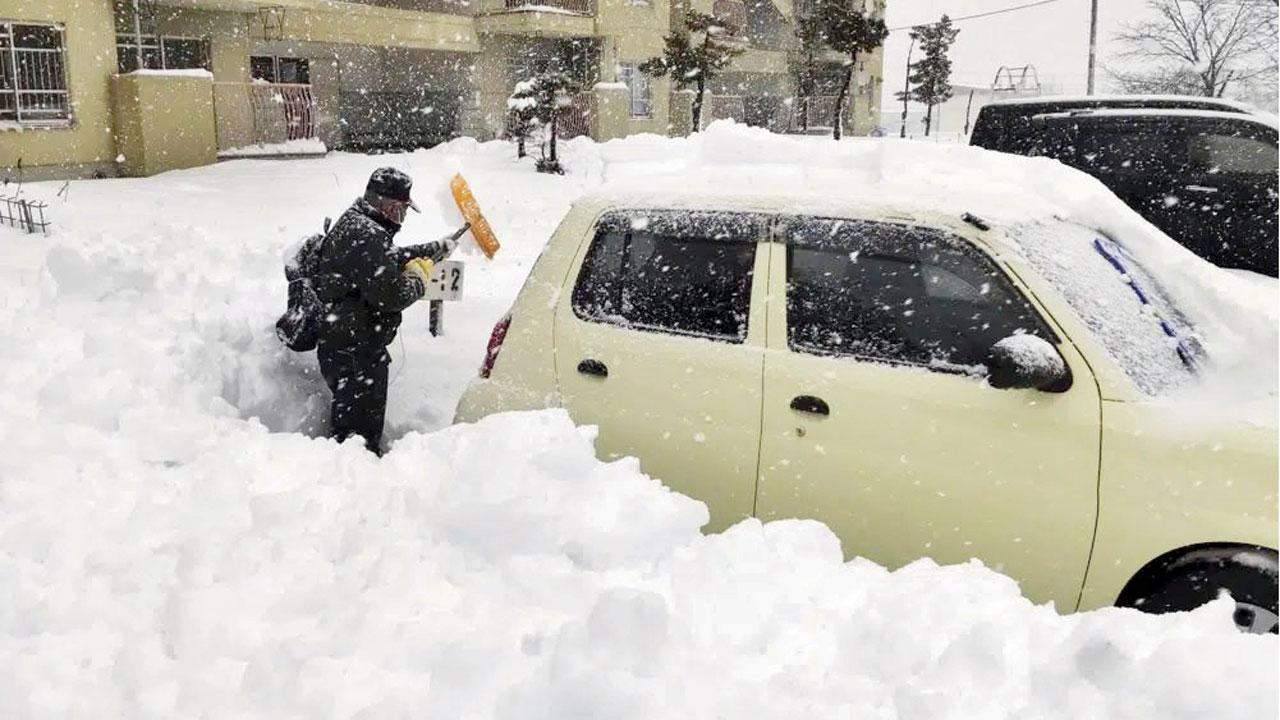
[460,231]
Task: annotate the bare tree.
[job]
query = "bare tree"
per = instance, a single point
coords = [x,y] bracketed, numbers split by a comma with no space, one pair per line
[1198,47]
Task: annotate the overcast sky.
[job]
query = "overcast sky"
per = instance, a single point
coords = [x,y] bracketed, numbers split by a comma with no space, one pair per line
[1053,37]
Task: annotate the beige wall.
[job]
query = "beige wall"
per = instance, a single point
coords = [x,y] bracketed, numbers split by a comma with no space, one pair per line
[85,146]
[164,122]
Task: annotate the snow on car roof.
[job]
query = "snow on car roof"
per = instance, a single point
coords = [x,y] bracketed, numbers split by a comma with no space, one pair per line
[731,165]
[1259,118]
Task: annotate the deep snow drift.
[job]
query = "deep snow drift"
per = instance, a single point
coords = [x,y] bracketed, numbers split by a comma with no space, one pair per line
[171,547]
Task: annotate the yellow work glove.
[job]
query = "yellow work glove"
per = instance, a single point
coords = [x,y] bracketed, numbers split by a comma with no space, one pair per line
[420,268]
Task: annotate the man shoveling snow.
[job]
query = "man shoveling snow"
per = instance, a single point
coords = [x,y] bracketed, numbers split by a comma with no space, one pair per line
[363,282]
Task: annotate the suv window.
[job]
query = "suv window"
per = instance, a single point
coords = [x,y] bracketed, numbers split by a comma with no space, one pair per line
[1239,152]
[1130,147]
[899,294]
[685,273]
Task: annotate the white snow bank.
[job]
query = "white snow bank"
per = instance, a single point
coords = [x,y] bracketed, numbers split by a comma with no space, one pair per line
[173,545]
[188,565]
[300,146]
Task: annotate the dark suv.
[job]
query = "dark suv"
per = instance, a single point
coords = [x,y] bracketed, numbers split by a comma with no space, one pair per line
[1202,170]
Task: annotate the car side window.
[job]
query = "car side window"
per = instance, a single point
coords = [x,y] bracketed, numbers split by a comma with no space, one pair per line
[898,294]
[683,273]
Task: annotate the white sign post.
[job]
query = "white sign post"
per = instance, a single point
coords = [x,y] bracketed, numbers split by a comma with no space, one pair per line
[446,284]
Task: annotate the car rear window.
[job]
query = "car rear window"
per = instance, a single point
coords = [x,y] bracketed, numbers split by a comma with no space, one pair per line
[675,272]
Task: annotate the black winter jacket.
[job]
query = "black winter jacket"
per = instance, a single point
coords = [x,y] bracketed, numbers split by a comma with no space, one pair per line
[360,280]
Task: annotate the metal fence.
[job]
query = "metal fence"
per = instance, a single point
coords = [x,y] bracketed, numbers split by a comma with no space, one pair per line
[580,7]
[33,85]
[25,214]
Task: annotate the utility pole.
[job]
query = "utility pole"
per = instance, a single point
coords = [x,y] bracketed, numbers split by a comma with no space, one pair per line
[906,88]
[1093,42]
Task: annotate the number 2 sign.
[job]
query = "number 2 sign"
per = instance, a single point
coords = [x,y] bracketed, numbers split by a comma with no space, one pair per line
[446,281]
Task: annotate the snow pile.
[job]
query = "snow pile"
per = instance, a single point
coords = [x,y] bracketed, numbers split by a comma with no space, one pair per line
[192,565]
[173,544]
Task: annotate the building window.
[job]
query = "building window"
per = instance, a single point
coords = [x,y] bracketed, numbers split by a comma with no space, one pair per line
[285,70]
[33,77]
[637,89]
[161,53]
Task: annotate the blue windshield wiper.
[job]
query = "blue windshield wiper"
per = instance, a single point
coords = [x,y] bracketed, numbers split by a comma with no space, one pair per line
[1185,352]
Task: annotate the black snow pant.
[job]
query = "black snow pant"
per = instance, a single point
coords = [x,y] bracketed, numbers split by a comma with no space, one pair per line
[359,386]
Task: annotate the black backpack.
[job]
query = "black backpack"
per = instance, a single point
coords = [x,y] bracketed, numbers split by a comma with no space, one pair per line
[299,327]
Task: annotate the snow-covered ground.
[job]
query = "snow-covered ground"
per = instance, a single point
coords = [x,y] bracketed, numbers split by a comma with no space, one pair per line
[174,544]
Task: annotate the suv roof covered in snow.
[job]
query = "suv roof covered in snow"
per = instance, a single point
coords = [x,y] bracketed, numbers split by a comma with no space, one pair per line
[1004,125]
[1259,118]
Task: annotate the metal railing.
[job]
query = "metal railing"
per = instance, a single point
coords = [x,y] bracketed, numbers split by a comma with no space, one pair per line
[733,13]
[724,107]
[575,120]
[33,85]
[25,214]
[818,110]
[263,113]
[579,7]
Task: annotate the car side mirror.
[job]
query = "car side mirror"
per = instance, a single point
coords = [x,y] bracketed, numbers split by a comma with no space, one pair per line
[1026,361]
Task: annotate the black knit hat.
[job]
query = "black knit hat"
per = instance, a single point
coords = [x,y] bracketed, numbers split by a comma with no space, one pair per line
[392,184]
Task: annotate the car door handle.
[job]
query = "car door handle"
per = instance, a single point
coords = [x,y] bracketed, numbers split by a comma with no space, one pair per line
[1200,188]
[810,404]
[593,367]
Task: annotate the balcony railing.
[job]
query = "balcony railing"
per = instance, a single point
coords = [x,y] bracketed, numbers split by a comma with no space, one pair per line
[577,7]
[575,119]
[733,13]
[814,112]
[724,107]
[263,113]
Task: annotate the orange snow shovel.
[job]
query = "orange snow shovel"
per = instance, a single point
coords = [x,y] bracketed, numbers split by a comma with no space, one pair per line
[470,210]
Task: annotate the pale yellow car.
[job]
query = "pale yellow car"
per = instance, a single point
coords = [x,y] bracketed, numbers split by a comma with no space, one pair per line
[926,385]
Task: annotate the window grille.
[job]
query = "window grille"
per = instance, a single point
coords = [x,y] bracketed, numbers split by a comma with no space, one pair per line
[168,52]
[33,77]
[638,91]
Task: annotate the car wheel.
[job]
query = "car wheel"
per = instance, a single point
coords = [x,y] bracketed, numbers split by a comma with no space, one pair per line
[1189,586]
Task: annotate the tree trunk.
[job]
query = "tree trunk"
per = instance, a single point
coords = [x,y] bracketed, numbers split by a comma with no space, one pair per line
[928,118]
[555,118]
[837,125]
[804,114]
[520,147]
[697,104]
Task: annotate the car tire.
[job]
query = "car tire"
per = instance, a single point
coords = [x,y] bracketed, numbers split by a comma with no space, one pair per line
[1198,578]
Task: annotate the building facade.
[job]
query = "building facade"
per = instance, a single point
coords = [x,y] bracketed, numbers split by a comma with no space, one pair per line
[135,87]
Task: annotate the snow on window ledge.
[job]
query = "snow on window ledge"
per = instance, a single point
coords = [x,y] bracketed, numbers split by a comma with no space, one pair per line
[14,126]
[306,146]
[194,73]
